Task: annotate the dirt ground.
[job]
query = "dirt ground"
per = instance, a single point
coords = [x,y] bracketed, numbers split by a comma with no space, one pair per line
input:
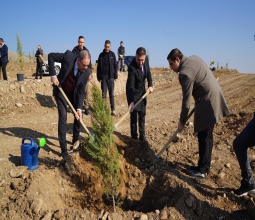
[161,191]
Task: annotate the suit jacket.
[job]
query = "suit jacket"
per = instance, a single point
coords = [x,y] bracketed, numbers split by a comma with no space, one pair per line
[135,86]
[67,61]
[197,80]
[112,63]
[4,53]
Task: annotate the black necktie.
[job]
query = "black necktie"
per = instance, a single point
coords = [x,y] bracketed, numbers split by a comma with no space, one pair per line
[78,74]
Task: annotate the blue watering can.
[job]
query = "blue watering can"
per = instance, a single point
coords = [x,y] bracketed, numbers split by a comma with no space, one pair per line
[30,151]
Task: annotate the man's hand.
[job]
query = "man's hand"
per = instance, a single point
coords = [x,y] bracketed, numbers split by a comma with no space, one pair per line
[180,127]
[90,77]
[54,80]
[131,107]
[79,114]
[150,89]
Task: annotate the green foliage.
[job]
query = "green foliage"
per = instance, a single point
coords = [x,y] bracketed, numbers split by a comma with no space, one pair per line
[102,147]
[29,56]
[211,63]
[20,52]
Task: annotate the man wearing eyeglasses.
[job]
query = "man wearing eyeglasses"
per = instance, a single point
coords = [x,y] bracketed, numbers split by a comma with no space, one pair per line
[138,72]
[76,50]
[197,80]
[107,73]
[73,77]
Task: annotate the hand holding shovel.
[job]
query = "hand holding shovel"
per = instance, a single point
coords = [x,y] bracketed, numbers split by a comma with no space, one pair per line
[124,116]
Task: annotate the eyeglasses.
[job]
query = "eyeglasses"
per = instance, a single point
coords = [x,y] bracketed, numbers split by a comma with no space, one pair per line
[106,46]
[81,42]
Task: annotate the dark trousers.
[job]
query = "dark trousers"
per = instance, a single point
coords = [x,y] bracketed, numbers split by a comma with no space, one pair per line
[108,84]
[62,117]
[205,143]
[141,123]
[4,64]
[241,143]
[121,65]
[38,70]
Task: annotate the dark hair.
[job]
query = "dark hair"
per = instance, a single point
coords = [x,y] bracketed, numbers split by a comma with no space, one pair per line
[107,42]
[121,42]
[174,54]
[80,37]
[141,51]
[1,39]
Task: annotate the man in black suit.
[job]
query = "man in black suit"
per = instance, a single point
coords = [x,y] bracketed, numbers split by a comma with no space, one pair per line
[107,73]
[72,78]
[38,62]
[138,71]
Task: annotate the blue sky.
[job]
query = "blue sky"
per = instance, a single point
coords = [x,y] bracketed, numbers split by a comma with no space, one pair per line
[219,30]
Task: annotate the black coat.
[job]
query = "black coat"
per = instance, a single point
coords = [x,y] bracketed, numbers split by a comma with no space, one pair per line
[67,61]
[135,86]
[113,73]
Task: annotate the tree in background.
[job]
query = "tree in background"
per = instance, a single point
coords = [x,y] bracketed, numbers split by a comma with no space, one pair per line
[227,65]
[29,56]
[33,56]
[218,65]
[148,54]
[20,52]
[211,63]
[102,147]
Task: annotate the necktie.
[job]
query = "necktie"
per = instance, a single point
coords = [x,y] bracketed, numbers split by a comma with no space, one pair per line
[78,74]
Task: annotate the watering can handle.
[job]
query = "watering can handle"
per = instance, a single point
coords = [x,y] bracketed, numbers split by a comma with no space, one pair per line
[28,138]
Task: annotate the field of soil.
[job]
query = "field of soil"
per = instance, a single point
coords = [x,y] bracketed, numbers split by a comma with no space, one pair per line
[73,190]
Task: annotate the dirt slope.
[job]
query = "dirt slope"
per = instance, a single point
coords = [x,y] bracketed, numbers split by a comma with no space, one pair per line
[161,191]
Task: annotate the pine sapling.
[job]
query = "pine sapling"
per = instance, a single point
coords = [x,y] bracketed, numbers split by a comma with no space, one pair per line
[102,147]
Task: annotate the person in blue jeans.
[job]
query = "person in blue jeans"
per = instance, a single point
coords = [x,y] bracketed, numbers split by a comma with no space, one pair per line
[241,143]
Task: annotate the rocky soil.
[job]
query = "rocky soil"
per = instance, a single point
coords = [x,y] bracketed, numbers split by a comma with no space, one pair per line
[72,189]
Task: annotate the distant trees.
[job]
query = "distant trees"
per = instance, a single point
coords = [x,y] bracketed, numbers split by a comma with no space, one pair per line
[20,53]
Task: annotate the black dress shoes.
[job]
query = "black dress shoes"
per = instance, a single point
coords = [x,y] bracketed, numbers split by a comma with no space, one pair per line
[143,139]
[196,173]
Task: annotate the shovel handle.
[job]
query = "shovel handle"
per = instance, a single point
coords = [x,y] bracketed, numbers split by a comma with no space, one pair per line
[41,58]
[124,116]
[75,113]
[173,136]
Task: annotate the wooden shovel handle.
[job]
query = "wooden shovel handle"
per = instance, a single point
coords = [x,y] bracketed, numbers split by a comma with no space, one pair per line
[75,113]
[124,116]
[41,58]
[173,136]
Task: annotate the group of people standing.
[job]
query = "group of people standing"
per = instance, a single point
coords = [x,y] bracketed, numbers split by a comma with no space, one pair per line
[195,78]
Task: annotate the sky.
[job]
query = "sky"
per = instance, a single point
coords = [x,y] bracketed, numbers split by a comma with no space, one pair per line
[222,31]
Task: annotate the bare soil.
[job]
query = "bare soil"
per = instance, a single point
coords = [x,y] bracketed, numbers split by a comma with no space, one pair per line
[73,190]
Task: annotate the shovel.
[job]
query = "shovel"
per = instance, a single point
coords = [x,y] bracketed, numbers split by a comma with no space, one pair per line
[75,113]
[168,142]
[124,116]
